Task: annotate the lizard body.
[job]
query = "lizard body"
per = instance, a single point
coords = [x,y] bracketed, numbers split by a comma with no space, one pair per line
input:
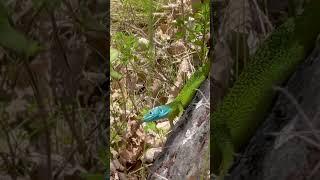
[248,101]
[176,107]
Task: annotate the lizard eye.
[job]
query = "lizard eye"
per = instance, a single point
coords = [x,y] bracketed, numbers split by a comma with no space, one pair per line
[150,112]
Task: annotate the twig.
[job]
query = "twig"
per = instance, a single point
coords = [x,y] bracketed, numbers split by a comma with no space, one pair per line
[310,141]
[65,163]
[260,18]
[6,132]
[44,114]
[161,177]
[57,39]
[299,109]
[314,171]
[73,129]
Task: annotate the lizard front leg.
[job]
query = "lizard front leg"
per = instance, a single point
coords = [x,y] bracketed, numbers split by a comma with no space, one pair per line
[223,148]
[181,110]
[227,153]
[178,112]
[171,123]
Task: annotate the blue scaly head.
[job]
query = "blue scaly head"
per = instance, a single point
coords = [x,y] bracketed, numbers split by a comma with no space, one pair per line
[157,113]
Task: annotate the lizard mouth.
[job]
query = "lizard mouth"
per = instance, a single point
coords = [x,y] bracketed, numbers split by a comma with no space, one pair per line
[149,117]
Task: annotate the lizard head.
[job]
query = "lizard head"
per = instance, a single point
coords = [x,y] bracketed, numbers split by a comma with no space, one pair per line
[156,113]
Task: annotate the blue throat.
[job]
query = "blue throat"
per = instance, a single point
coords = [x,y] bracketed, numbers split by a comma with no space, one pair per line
[157,113]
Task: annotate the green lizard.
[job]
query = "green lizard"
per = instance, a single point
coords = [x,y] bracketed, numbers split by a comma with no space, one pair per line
[248,101]
[177,106]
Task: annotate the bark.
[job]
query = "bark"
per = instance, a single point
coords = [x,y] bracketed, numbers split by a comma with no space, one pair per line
[186,154]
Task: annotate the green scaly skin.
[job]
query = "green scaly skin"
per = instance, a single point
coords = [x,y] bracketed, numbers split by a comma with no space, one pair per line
[248,101]
[188,91]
